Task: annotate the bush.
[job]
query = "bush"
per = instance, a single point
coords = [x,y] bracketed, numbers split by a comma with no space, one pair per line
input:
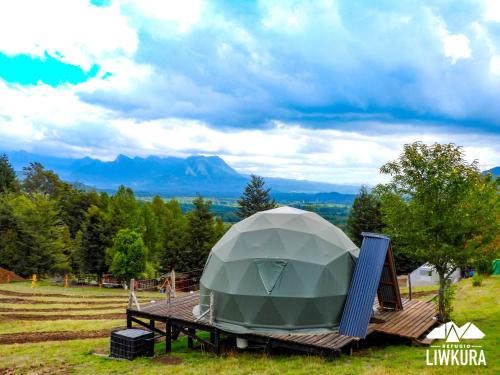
[477,279]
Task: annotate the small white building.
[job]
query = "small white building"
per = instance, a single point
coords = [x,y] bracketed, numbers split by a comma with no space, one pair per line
[426,275]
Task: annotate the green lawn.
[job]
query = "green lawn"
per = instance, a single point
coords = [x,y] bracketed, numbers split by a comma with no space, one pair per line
[478,305]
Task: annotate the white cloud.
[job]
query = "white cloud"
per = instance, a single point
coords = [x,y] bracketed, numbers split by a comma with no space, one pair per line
[455,46]
[495,65]
[183,14]
[492,10]
[74,31]
[56,122]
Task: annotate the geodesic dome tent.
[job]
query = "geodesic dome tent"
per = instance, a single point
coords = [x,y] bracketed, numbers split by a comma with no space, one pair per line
[283,269]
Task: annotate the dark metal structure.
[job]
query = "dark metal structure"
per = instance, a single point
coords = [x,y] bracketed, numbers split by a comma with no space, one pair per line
[375,274]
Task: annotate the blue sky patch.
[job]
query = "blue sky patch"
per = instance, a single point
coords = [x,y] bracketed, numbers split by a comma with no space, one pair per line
[28,70]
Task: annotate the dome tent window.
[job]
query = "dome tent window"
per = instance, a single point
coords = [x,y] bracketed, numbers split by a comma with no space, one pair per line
[281,270]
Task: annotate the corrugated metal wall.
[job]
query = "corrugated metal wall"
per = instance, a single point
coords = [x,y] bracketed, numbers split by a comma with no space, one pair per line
[364,284]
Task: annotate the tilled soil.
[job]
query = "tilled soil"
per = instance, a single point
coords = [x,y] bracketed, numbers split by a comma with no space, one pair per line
[30,337]
[32,302]
[9,309]
[23,294]
[5,317]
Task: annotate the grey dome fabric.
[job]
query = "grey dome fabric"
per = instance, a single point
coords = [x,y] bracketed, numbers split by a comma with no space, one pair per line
[283,269]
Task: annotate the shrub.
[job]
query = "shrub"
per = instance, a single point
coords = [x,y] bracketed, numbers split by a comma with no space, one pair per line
[477,279]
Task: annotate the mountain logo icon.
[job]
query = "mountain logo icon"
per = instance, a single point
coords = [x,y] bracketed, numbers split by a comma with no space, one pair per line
[453,333]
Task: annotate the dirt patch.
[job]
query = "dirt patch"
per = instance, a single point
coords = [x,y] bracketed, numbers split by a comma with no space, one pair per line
[31,337]
[42,369]
[8,309]
[32,302]
[167,360]
[7,276]
[34,294]
[6,317]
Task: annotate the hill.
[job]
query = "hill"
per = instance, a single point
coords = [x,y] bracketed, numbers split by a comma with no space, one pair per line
[494,171]
[172,176]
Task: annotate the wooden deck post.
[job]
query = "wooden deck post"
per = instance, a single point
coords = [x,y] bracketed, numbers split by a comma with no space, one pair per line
[129,319]
[168,336]
[269,347]
[152,325]
[216,341]
[192,332]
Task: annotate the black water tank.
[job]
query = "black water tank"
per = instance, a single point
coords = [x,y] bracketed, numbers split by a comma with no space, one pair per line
[131,343]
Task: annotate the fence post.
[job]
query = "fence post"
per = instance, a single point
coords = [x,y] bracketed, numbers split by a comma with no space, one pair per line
[172,276]
[66,281]
[409,286]
[132,297]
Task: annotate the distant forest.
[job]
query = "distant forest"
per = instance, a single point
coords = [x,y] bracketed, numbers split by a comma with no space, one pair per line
[48,226]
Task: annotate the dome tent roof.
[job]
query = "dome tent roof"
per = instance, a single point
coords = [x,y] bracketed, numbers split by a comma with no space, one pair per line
[283,269]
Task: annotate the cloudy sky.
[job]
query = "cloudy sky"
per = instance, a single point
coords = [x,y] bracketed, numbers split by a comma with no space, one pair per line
[322,90]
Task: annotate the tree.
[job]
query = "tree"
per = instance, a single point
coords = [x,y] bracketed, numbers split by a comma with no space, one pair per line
[39,180]
[365,216]
[173,228]
[94,238]
[37,236]
[201,235]
[128,255]
[428,207]
[8,179]
[255,198]
[125,211]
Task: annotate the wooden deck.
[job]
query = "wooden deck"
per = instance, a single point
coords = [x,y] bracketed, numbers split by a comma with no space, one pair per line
[414,320]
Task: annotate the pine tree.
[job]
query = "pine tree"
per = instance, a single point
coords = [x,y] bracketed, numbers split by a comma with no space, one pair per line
[255,198]
[95,237]
[8,179]
[201,235]
[365,216]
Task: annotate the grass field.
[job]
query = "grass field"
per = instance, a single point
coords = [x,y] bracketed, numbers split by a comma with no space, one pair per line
[88,356]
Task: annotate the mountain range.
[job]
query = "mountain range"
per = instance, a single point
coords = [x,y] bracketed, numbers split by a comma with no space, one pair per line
[173,176]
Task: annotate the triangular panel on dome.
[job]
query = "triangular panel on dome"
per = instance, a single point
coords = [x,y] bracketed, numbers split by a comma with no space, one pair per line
[270,271]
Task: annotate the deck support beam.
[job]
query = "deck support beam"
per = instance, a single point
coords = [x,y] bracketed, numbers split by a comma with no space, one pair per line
[216,341]
[192,332]
[168,336]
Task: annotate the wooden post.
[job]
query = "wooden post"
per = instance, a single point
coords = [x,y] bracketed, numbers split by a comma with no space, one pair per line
[168,336]
[191,332]
[152,325]
[132,298]
[172,276]
[66,281]
[216,341]
[409,286]
[8,278]
[129,319]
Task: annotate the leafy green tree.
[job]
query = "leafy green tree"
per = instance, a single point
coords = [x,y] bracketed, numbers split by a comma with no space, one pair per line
[8,179]
[201,235]
[428,207]
[365,216]
[38,232]
[94,238]
[175,237]
[39,180]
[73,205]
[126,211]
[151,236]
[128,255]
[255,198]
